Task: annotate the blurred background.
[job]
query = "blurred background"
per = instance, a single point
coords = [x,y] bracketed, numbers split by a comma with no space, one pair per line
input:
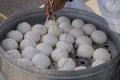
[9,7]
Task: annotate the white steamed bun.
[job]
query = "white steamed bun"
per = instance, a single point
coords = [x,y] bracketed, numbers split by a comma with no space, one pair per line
[15,54]
[65,45]
[67,38]
[66,64]
[27,43]
[63,19]
[16,35]
[59,53]
[101,54]
[32,35]
[55,30]
[29,52]
[23,27]
[88,29]
[44,48]
[77,23]
[38,28]
[76,32]
[99,37]
[9,44]
[85,50]
[83,40]
[65,27]
[50,39]
[41,60]
[50,23]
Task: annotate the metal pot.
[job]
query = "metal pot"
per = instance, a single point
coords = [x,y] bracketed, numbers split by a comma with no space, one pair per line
[106,71]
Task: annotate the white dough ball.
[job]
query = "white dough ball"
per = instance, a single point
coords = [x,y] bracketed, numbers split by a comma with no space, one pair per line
[83,40]
[66,64]
[50,39]
[88,29]
[24,63]
[27,43]
[101,54]
[63,19]
[16,35]
[112,6]
[76,32]
[29,52]
[23,27]
[97,63]
[99,37]
[15,54]
[51,23]
[65,27]
[32,35]
[41,60]
[80,68]
[55,30]
[65,45]
[67,38]
[85,50]
[9,44]
[44,48]
[77,23]
[38,28]
[59,53]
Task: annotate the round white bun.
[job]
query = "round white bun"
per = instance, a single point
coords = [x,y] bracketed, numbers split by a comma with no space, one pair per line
[41,60]
[16,35]
[23,27]
[88,29]
[78,23]
[101,54]
[99,37]
[44,48]
[59,53]
[9,44]
[66,64]
[85,50]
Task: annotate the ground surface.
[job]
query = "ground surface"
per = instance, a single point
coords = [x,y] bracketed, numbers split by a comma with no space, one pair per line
[9,7]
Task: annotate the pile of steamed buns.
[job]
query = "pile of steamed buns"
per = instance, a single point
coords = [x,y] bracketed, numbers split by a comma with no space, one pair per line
[27,47]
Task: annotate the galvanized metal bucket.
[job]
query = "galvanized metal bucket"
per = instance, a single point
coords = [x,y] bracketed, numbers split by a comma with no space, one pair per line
[106,71]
